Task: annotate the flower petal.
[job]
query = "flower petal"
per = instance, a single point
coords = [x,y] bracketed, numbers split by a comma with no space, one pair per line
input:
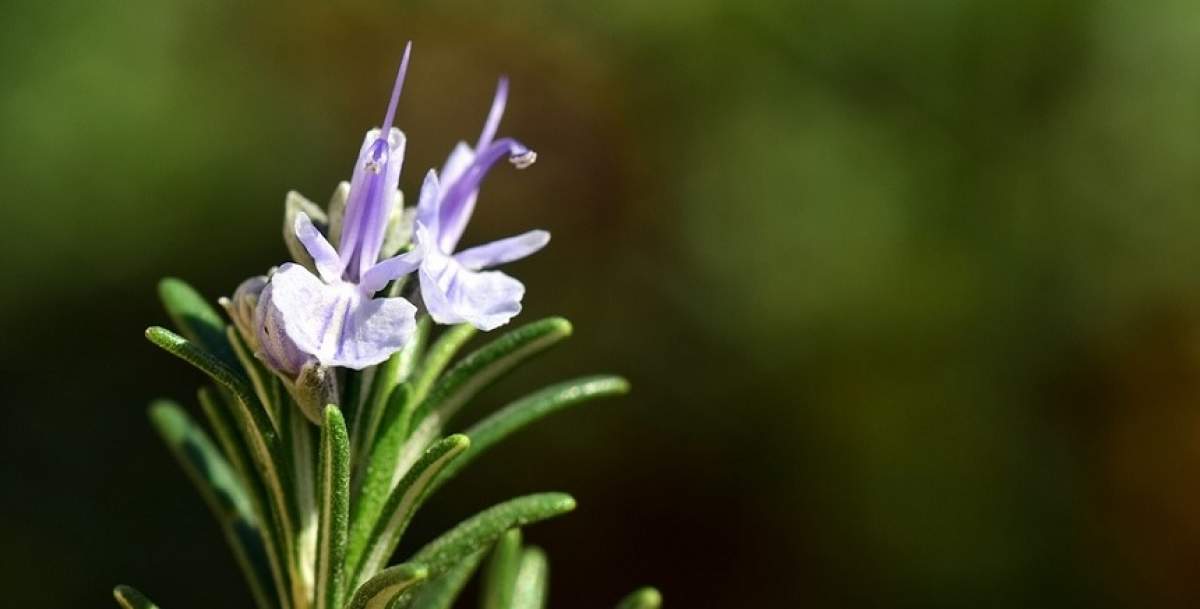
[455,294]
[459,160]
[370,201]
[390,270]
[427,203]
[336,323]
[329,265]
[377,328]
[503,251]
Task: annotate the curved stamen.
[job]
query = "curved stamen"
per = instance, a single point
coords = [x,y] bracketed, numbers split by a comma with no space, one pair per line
[462,189]
[493,119]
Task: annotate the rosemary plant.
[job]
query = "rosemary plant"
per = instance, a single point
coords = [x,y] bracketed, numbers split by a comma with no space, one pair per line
[331,393]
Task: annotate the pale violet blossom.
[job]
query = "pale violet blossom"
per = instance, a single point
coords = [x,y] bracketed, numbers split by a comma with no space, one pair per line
[334,316]
[454,286]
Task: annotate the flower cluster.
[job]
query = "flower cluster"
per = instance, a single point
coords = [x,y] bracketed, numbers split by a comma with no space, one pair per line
[329,309]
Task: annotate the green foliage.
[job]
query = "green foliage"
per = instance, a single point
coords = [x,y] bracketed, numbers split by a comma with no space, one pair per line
[195,318]
[333,488]
[314,528]
[379,591]
[501,573]
[442,592]
[129,598]
[221,489]
[644,598]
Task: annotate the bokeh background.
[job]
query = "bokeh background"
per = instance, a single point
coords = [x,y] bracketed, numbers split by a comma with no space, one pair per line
[909,292]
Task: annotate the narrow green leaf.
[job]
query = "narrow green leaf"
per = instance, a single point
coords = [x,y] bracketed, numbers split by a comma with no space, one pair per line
[439,355]
[472,374]
[301,444]
[378,480]
[380,590]
[531,585]
[256,428]
[442,592]
[195,318]
[264,382]
[402,503]
[218,406]
[219,486]
[334,491]
[477,532]
[129,598]
[209,364]
[501,574]
[384,380]
[221,420]
[643,598]
[515,416]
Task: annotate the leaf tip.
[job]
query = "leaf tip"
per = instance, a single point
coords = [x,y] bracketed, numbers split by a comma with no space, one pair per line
[169,284]
[161,336]
[563,503]
[164,414]
[621,385]
[128,597]
[415,572]
[458,442]
[642,598]
[560,325]
[332,413]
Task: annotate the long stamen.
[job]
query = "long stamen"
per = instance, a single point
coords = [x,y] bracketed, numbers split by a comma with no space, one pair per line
[493,119]
[457,193]
[391,111]
[379,150]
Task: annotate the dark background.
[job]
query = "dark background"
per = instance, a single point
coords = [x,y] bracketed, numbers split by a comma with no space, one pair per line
[909,292]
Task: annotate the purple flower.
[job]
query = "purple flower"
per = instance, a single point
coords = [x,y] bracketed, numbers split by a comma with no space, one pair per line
[454,286]
[334,316]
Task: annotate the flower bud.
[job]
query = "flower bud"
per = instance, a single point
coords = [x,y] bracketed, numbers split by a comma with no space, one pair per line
[242,307]
[315,387]
[275,348]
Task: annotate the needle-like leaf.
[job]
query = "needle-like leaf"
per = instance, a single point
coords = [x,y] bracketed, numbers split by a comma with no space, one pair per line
[378,472]
[442,592]
[224,494]
[334,491]
[220,419]
[642,598]
[517,415]
[379,591]
[501,574]
[529,592]
[129,598]
[195,318]
[382,383]
[219,405]
[472,374]
[373,551]
[439,355]
[256,427]
[265,384]
[477,532]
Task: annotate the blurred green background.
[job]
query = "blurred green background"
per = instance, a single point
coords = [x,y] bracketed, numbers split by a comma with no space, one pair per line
[909,292]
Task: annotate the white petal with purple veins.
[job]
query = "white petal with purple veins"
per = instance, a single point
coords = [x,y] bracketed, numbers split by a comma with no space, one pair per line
[337,323]
[455,294]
